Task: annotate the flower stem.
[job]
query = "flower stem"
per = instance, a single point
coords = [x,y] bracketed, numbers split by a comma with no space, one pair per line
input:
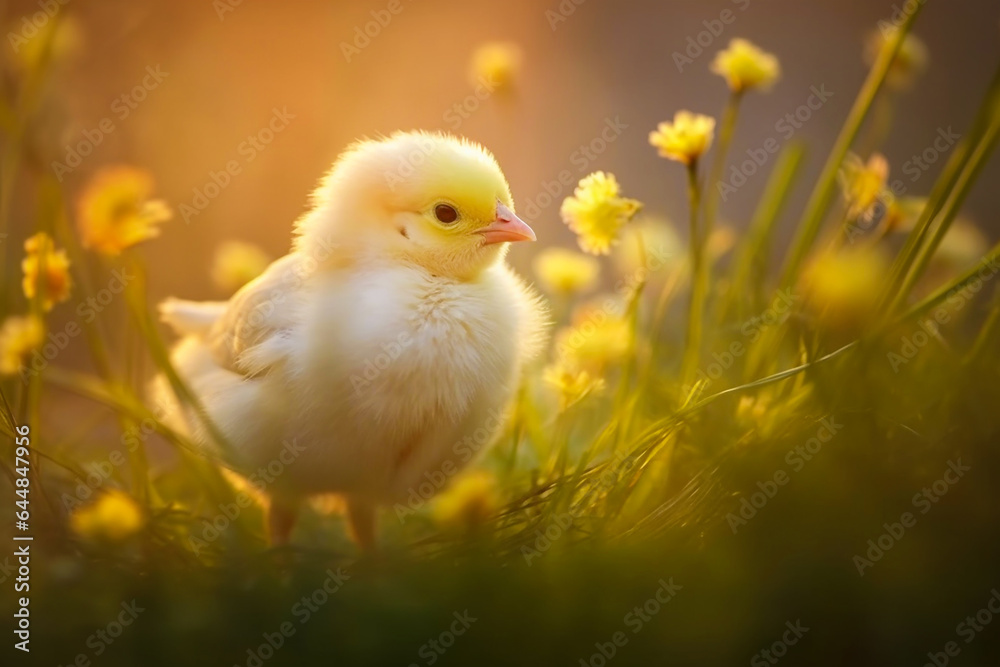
[696,250]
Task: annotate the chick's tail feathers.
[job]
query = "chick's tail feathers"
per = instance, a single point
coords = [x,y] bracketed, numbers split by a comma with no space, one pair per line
[191,318]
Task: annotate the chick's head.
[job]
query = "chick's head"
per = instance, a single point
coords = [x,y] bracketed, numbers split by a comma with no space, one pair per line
[432,200]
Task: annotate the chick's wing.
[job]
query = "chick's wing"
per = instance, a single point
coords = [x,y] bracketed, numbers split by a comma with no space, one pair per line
[252,335]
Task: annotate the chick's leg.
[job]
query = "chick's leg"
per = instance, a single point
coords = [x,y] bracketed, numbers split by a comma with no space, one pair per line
[281,516]
[361,523]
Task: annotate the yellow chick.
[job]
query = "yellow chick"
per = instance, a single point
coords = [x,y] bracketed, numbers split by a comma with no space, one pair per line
[381,352]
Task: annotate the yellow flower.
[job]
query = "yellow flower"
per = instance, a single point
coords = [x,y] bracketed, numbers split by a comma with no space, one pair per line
[115,212]
[842,288]
[55,285]
[571,383]
[746,67]
[902,213]
[648,244]
[597,211]
[864,185]
[469,501]
[686,139]
[496,64]
[113,517]
[18,337]
[562,271]
[599,336]
[236,263]
[909,63]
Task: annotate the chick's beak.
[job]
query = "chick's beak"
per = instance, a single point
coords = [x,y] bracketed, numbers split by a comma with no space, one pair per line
[507,227]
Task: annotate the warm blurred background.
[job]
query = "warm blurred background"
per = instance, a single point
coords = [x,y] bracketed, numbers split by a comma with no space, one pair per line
[227,65]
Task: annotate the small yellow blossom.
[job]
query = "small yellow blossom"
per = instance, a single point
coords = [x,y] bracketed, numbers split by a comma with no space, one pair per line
[18,337]
[571,383]
[236,263]
[746,67]
[56,283]
[910,61]
[115,212]
[597,212]
[649,244]
[598,336]
[113,517]
[469,501]
[686,139]
[562,271]
[902,213]
[496,64]
[864,185]
[842,288]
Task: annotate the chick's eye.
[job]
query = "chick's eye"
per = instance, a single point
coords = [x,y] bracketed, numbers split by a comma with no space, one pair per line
[445,213]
